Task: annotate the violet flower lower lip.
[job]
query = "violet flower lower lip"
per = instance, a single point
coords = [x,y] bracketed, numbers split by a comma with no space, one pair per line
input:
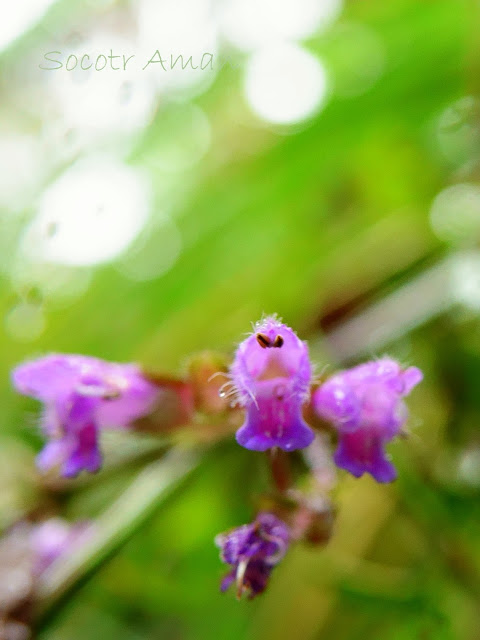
[82,395]
[366,406]
[271,376]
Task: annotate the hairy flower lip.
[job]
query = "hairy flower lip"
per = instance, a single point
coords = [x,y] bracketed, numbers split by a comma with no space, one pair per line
[271,378]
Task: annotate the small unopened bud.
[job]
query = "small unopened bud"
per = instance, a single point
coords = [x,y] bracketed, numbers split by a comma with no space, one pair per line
[313,520]
[253,550]
[207,374]
[174,407]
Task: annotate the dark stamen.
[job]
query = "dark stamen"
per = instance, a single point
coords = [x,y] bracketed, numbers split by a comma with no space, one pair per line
[263,340]
[278,342]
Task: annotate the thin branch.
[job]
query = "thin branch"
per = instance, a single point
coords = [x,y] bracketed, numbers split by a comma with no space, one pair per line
[149,489]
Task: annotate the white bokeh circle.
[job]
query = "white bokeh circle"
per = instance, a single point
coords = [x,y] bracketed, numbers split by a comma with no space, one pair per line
[285,84]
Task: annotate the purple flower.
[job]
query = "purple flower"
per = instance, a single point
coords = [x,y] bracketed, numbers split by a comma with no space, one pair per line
[53,538]
[365,404]
[81,395]
[253,550]
[271,376]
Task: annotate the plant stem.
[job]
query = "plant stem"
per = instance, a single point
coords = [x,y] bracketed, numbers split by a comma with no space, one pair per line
[280,468]
[148,490]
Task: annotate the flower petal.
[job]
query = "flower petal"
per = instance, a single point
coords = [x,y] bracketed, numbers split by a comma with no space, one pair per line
[262,431]
[363,452]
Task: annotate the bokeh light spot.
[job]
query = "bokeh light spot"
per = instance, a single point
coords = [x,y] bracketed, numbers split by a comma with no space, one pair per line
[465,283]
[58,285]
[21,154]
[455,213]
[97,208]
[458,130]
[251,24]
[177,28]
[99,103]
[285,84]
[20,16]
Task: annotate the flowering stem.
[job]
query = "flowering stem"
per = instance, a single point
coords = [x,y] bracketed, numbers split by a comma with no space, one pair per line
[280,468]
[148,490]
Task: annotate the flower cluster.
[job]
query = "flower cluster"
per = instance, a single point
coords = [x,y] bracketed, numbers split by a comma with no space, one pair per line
[272,374]
[270,379]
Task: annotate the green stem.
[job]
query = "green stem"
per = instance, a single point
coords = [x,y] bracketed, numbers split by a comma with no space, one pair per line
[148,490]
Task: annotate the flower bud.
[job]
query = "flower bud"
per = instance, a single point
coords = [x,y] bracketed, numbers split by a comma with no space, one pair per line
[253,550]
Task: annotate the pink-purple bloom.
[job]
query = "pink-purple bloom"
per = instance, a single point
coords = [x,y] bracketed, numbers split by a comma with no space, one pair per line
[365,404]
[271,375]
[253,550]
[82,395]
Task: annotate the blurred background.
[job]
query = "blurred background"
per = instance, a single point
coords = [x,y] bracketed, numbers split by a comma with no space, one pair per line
[322,162]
